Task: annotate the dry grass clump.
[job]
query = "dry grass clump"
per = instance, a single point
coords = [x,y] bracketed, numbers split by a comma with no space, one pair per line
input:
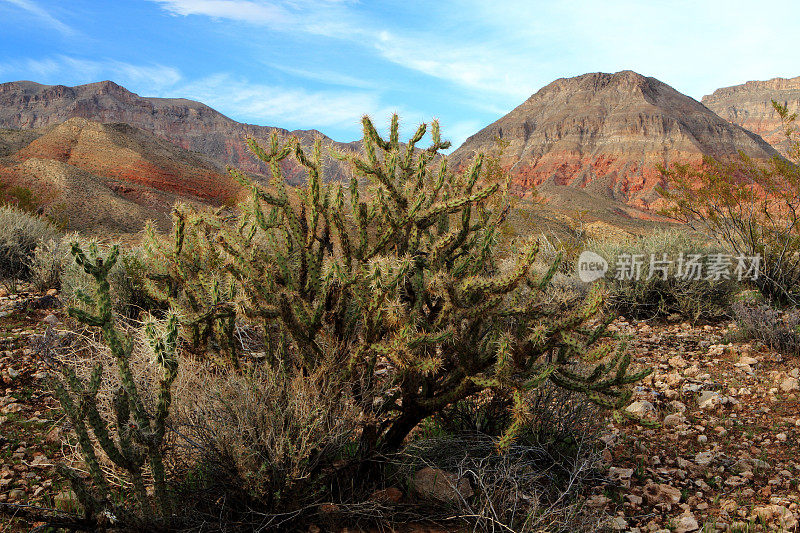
[777,329]
[651,296]
[264,436]
[20,234]
[534,486]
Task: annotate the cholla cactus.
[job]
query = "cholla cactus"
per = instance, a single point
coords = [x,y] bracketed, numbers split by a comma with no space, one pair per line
[186,276]
[406,273]
[136,437]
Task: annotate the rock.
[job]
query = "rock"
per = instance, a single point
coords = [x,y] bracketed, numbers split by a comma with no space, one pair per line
[790,385]
[621,475]
[40,461]
[686,523]
[674,419]
[598,501]
[618,523]
[781,437]
[634,499]
[704,458]
[747,360]
[390,495]
[642,408]
[660,493]
[709,400]
[678,362]
[434,484]
[679,407]
[775,515]
[66,500]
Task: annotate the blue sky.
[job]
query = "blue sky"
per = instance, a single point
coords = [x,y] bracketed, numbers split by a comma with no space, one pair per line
[322,64]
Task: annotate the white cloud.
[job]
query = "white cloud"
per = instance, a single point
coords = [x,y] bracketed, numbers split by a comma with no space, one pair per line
[327,76]
[42,15]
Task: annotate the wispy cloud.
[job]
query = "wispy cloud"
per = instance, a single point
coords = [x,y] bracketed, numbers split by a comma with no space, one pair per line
[327,76]
[286,106]
[43,15]
[66,69]
[316,17]
[241,10]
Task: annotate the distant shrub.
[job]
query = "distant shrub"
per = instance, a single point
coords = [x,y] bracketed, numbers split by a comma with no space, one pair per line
[780,330]
[649,296]
[49,260]
[20,197]
[128,296]
[20,233]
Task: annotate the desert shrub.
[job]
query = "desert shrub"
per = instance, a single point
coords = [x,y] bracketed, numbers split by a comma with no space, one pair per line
[186,273]
[49,260]
[780,330]
[380,308]
[534,486]
[264,438]
[749,208]
[127,293]
[20,233]
[649,295]
[121,437]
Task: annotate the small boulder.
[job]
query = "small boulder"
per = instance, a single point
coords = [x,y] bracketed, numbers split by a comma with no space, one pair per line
[434,484]
[687,523]
[709,400]
[642,408]
[661,493]
[790,385]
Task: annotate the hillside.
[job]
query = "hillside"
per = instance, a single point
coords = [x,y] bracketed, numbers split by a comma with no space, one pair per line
[749,105]
[109,176]
[607,134]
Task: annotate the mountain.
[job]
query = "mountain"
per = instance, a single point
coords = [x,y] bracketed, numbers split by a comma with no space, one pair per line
[189,124]
[607,134]
[109,177]
[750,106]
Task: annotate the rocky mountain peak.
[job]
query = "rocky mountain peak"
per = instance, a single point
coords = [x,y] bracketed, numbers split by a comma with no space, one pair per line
[608,133]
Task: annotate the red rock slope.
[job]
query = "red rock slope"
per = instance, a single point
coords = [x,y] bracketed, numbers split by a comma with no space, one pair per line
[607,133]
[111,176]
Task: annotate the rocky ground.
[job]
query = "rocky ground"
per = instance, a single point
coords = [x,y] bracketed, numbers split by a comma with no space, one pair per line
[725,457]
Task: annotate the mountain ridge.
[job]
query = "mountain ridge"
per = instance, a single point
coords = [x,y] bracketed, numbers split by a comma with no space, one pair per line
[749,105]
[190,124]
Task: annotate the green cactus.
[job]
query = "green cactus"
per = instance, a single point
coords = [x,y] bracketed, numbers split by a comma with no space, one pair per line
[136,437]
[405,270]
[185,275]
